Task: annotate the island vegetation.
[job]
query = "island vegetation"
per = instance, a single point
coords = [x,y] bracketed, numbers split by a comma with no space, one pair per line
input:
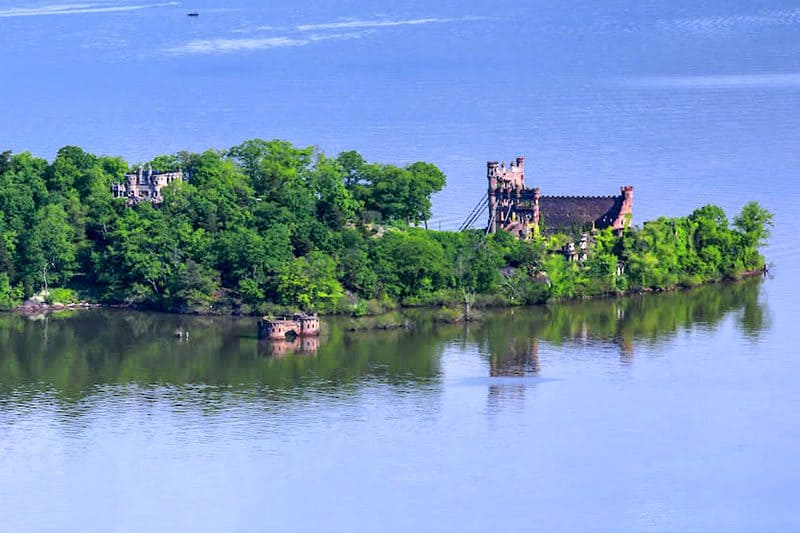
[267,225]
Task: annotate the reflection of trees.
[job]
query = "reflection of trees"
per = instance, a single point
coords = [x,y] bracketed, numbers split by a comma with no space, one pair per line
[511,338]
[97,348]
[520,358]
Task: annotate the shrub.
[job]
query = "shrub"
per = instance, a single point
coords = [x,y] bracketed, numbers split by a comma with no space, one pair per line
[62,296]
[9,296]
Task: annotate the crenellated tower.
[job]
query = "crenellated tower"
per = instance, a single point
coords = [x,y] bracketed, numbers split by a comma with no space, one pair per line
[506,184]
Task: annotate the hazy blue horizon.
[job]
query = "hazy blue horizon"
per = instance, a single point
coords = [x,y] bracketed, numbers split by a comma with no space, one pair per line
[665,97]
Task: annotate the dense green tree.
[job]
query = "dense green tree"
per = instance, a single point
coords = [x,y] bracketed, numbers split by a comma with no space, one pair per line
[755,223]
[193,287]
[310,283]
[399,194]
[352,163]
[246,254]
[335,205]
[356,271]
[276,168]
[218,194]
[69,170]
[385,192]
[267,222]
[408,263]
[50,251]
[10,296]
[425,179]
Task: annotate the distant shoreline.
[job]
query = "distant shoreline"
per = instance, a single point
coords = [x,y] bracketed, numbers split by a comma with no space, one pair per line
[447,313]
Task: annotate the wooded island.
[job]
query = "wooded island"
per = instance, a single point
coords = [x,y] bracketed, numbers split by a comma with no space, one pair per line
[268,226]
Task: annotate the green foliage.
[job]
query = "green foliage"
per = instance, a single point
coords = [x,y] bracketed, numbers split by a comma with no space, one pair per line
[9,296]
[695,249]
[754,224]
[409,262]
[250,291]
[62,296]
[50,248]
[193,287]
[267,224]
[395,193]
[310,283]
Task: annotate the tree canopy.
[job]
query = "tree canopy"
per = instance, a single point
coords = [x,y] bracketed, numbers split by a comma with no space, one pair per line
[269,224]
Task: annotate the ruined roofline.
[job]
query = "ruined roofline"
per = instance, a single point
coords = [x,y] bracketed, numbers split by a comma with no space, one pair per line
[157,172]
[585,197]
[517,162]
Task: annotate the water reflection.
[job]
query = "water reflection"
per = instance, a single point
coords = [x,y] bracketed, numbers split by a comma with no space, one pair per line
[296,346]
[73,355]
[511,339]
[520,359]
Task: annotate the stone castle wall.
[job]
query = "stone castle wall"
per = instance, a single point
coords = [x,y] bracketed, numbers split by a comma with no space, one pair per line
[523,211]
[281,327]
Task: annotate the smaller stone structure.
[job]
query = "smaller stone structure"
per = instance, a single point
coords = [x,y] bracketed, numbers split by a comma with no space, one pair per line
[145,185]
[581,251]
[282,327]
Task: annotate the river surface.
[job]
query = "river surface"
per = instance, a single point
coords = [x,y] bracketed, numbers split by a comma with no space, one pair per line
[671,412]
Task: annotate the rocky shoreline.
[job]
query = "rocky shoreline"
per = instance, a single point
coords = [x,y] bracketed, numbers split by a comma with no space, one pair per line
[37,308]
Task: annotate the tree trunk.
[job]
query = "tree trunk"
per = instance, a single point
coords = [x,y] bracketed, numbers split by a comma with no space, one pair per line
[44,278]
[469,299]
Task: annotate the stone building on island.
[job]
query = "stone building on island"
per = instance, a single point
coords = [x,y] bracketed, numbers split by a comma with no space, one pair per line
[145,185]
[282,327]
[525,212]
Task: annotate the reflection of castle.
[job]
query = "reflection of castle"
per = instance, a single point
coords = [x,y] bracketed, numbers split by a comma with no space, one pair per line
[300,345]
[144,186]
[523,211]
[521,357]
[516,361]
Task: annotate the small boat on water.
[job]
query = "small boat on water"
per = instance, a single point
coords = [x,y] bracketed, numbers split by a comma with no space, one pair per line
[192,14]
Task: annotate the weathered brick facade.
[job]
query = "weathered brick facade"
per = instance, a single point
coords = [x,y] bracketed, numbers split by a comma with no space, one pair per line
[279,327]
[525,212]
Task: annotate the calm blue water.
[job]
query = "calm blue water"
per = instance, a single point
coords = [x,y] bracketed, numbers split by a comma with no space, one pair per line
[688,102]
[694,430]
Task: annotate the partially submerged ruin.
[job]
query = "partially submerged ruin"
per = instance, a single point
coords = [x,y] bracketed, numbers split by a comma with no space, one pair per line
[282,327]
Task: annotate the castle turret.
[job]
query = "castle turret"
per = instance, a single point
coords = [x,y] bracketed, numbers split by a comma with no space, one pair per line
[506,184]
[625,217]
[491,175]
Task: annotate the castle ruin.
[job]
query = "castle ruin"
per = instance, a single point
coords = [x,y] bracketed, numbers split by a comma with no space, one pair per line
[526,212]
[282,327]
[144,186]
